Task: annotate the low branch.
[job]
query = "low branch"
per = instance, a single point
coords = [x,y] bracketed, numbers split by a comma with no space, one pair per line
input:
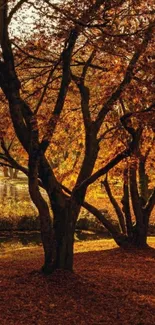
[98,214]
[4,164]
[13,163]
[104,170]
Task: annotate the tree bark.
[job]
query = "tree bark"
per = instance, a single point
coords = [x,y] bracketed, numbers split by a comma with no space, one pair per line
[64,234]
[126,203]
[5,171]
[42,206]
[116,206]
[143,181]
[47,235]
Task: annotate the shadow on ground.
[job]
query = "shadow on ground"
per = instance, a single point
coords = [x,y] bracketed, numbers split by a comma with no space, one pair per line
[107,287]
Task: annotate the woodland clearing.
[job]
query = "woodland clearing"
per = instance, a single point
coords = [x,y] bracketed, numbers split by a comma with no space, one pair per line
[109,286]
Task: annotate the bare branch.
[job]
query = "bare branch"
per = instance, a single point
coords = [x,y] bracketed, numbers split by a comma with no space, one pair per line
[15,9]
[13,163]
[46,86]
[91,65]
[28,55]
[103,135]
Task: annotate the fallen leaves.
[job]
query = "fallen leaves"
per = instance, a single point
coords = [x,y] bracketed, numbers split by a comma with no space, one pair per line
[109,286]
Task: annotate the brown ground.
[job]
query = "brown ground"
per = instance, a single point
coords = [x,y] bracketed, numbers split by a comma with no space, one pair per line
[109,287]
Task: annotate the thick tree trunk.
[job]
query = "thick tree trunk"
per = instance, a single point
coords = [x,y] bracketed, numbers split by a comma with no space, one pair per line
[139,239]
[64,229]
[64,234]
[48,242]
[58,241]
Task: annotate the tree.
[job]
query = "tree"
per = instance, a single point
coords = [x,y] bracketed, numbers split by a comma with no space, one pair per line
[87,45]
[137,196]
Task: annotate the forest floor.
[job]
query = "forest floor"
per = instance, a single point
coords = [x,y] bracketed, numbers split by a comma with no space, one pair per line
[109,286]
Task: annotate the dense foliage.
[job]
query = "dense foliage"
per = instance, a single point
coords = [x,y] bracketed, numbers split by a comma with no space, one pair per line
[77,102]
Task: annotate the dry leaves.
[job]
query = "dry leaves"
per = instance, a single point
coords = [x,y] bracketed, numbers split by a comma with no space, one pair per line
[109,286]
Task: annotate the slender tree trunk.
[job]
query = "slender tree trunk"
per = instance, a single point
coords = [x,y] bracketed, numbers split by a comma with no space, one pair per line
[139,228]
[115,205]
[139,239]
[47,235]
[5,171]
[143,181]
[126,204]
[11,172]
[15,174]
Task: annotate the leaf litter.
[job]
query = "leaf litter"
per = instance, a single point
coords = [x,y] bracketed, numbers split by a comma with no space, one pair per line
[108,286]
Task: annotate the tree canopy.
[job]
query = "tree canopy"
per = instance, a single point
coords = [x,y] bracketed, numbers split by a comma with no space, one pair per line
[77,102]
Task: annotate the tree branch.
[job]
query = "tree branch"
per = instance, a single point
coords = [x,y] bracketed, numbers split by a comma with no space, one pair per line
[128,76]
[115,205]
[15,9]
[102,171]
[66,78]
[98,214]
[84,92]
[11,160]
[46,86]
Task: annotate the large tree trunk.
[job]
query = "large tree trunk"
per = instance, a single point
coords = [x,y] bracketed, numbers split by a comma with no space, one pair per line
[64,229]
[57,239]
[139,239]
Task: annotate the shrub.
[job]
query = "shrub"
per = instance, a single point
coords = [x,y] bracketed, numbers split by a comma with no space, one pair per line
[6,224]
[87,221]
[28,223]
